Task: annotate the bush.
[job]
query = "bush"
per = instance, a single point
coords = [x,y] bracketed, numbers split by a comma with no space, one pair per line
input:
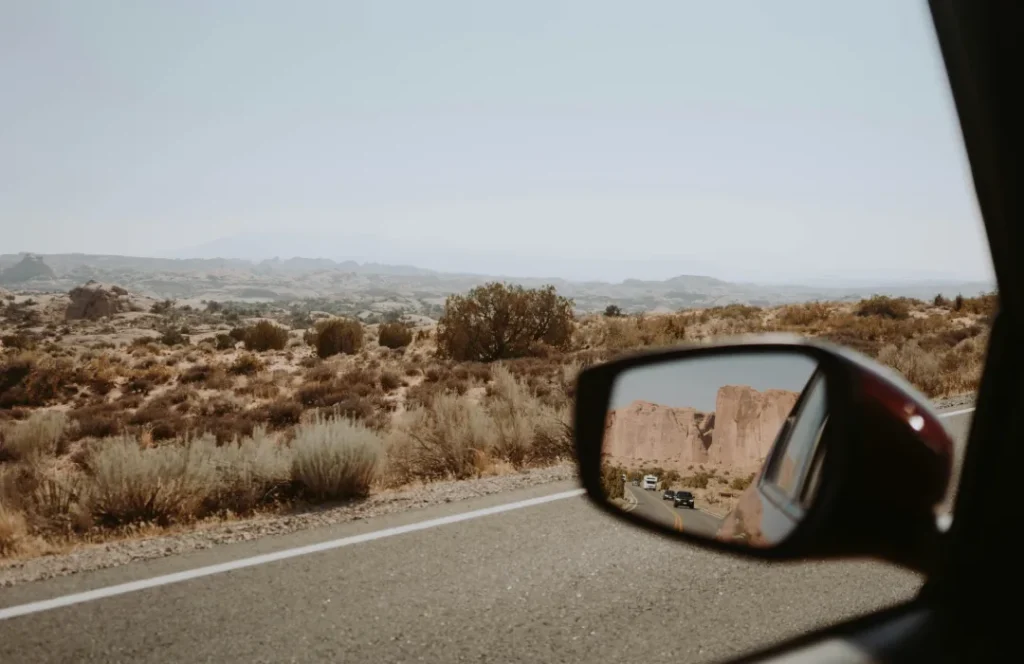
[13,531]
[394,335]
[741,483]
[389,381]
[264,336]
[497,321]
[611,481]
[335,459]
[613,311]
[335,336]
[224,342]
[246,365]
[37,437]
[31,380]
[173,337]
[159,485]
[884,306]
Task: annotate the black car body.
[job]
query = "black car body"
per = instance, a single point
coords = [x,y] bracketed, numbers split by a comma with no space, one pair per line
[683,499]
[669,495]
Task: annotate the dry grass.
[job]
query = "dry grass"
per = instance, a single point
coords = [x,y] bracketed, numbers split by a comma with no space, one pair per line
[335,458]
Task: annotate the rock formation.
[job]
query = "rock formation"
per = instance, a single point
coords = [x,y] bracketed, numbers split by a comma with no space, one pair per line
[739,434]
[95,300]
[746,424]
[661,435]
[29,267]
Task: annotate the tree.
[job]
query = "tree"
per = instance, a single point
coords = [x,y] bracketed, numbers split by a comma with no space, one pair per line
[332,336]
[613,311]
[498,321]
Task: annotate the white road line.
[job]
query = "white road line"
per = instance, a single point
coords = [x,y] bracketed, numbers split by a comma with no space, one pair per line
[953,413]
[187,575]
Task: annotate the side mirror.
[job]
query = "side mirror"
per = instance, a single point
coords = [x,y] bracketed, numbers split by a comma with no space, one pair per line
[774,447]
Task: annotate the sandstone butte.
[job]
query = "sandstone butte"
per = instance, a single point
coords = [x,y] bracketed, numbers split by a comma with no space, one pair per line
[737,435]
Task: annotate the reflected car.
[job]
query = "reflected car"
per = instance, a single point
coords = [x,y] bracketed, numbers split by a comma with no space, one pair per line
[683,499]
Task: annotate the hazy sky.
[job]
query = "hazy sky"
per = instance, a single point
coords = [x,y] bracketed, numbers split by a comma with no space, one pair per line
[746,140]
[694,383]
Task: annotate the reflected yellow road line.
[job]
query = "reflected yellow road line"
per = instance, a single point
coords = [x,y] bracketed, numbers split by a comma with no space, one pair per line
[677,518]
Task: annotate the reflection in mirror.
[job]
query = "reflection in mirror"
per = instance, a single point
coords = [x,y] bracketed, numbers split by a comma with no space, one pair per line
[722,446]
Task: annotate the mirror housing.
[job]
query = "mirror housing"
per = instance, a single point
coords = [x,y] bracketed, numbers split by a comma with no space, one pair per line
[886,468]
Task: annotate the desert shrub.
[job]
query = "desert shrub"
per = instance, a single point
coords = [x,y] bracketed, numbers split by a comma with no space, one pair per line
[159,485]
[917,366]
[525,429]
[13,530]
[250,472]
[18,341]
[439,441]
[224,341]
[741,483]
[624,333]
[699,480]
[281,414]
[334,336]
[197,373]
[39,436]
[394,335]
[173,337]
[809,313]
[335,458]
[32,380]
[246,365]
[497,321]
[884,306]
[611,481]
[613,311]
[97,421]
[940,301]
[389,381]
[264,336]
[161,307]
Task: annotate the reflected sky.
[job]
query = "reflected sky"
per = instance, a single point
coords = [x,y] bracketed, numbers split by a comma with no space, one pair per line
[695,382]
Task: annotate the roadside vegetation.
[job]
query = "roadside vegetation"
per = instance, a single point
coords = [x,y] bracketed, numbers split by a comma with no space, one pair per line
[171,415]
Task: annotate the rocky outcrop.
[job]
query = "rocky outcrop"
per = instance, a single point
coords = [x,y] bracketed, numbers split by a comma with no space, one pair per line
[739,434]
[95,300]
[28,268]
[746,424]
[651,433]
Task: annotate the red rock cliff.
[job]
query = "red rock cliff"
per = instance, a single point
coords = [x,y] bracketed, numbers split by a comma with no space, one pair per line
[739,434]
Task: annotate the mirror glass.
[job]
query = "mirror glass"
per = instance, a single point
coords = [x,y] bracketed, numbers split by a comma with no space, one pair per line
[720,445]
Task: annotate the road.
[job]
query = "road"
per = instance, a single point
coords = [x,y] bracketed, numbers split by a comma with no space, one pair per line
[650,505]
[555,582]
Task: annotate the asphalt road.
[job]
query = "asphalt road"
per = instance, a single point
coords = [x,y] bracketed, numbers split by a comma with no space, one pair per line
[651,506]
[550,582]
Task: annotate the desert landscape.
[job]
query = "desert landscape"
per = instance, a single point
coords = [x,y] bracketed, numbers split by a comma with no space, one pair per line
[124,415]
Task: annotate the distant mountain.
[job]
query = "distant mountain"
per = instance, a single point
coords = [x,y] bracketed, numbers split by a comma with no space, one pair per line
[30,267]
[370,284]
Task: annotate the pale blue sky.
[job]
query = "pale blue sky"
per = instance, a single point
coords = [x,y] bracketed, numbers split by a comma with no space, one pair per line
[694,383]
[743,139]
